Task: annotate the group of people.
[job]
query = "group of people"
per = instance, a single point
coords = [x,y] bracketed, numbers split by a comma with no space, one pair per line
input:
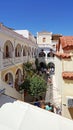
[47,106]
[43,105]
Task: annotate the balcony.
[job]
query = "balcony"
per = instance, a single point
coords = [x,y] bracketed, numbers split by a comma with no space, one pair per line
[12,61]
[45,45]
[46,60]
[18,60]
[8,62]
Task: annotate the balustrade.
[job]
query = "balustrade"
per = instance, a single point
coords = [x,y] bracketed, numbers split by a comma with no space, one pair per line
[12,61]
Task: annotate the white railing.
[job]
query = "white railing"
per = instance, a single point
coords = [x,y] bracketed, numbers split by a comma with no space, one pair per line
[45,45]
[47,60]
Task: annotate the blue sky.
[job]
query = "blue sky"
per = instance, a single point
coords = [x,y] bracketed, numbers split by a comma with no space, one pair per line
[38,15]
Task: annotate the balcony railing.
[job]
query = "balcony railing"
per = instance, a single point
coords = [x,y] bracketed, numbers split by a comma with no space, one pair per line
[12,61]
[18,60]
[8,62]
[46,59]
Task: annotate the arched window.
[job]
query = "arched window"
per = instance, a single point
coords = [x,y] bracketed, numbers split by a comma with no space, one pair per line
[42,54]
[18,50]
[18,79]
[44,39]
[24,53]
[51,67]
[50,54]
[8,49]
[9,79]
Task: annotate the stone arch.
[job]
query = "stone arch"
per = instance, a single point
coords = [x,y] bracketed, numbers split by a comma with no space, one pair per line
[18,78]
[51,66]
[8,49]
[24,51]
[42,65]
[19,72]
[29,51]
[42,54]
[50,54]
[18,50]
[8,78]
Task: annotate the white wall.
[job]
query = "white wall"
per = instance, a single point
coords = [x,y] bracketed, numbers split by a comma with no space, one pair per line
[25,33]
[42,35]
[58,76]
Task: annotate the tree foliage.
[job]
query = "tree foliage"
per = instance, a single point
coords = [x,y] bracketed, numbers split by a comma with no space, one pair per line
[28,69]
[34,84]
[25,85]
[37,86]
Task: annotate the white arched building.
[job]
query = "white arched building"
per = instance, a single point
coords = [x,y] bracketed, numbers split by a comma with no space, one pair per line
[18,47]
[15,49]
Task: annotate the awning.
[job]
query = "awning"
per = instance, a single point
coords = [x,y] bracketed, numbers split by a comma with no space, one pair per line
[23,116]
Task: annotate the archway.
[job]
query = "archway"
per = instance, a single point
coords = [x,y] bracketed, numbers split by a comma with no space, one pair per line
[42,66]
[8,49]
[18,79]
[24,51]
[42,54]
[51,67]
[9,79]
[18,50]
[50,54]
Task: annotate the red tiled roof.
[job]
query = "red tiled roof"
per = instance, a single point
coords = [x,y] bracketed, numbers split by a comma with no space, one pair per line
[63,55]
[67,42]
[67,75]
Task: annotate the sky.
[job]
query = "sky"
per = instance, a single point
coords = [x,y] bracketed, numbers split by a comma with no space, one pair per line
[54,16]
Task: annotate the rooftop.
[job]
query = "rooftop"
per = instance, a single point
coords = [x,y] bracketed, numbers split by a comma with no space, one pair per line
[66,42]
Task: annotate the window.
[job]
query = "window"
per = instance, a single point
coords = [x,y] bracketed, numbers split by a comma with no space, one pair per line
[42,54]
[44,39]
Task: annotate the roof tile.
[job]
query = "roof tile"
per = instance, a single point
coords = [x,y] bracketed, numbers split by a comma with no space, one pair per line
[67,42]
[67,75]
[63,55]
